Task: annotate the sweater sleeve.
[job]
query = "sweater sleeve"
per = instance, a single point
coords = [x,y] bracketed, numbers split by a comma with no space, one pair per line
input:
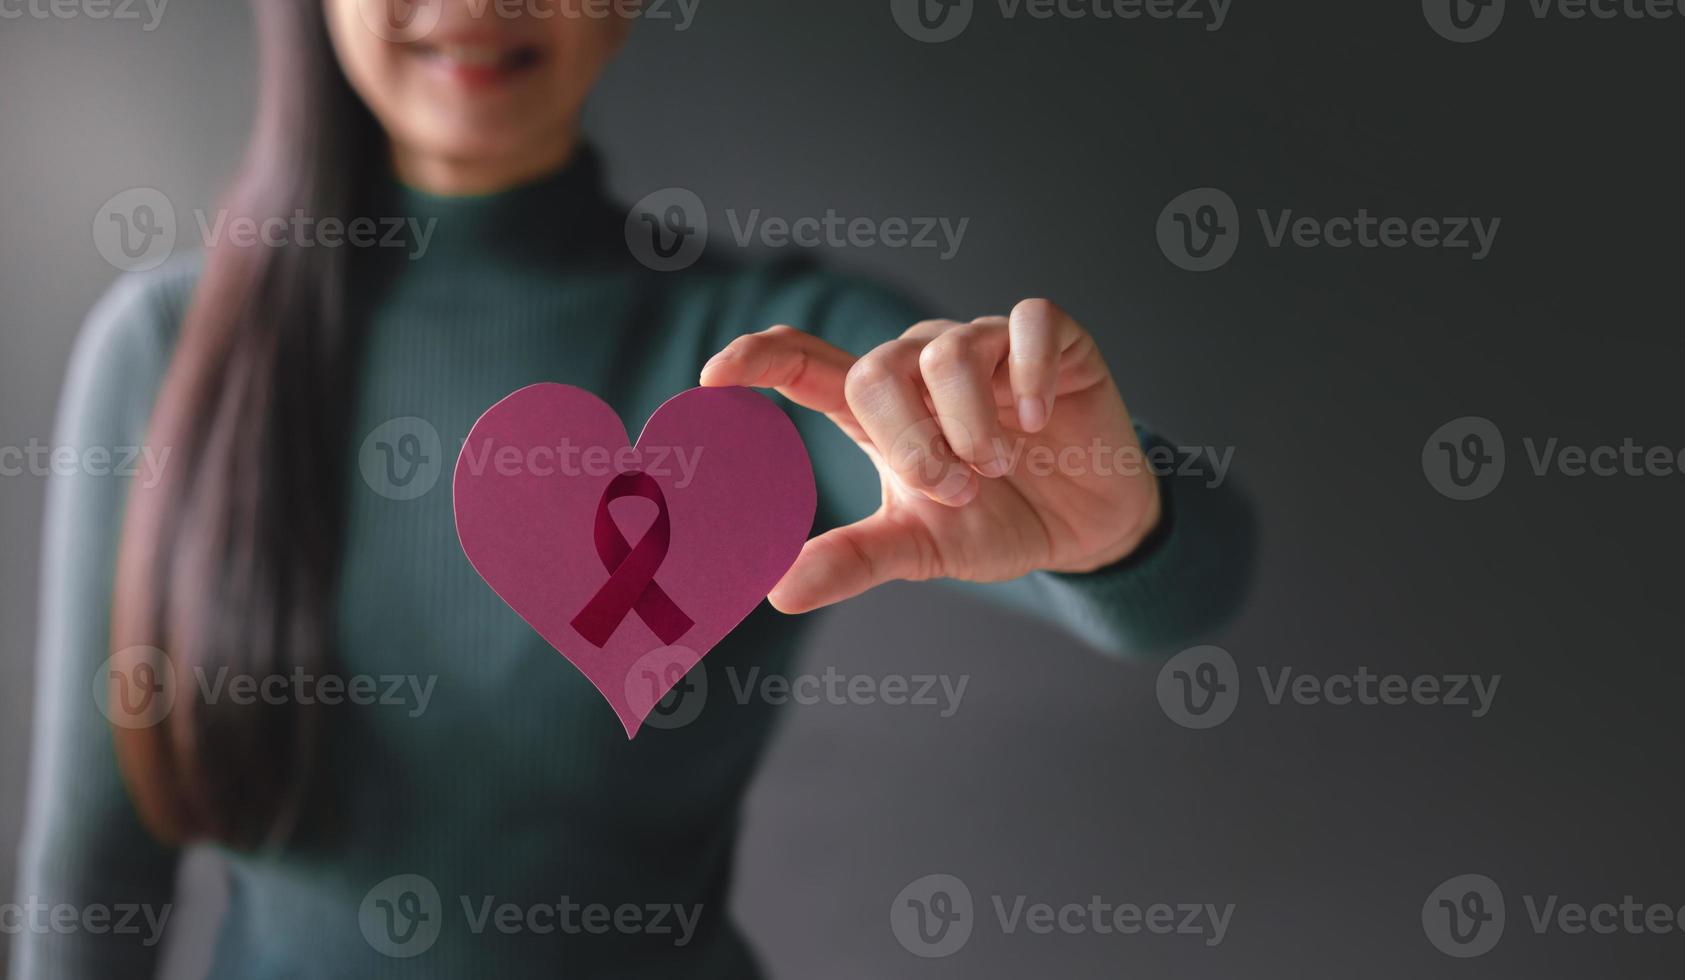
[94,888]
[1181,585]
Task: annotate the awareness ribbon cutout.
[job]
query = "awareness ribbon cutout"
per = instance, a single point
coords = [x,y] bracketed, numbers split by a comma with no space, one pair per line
[631,583]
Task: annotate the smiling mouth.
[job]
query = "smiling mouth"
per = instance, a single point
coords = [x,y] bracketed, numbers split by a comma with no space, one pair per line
[478,64]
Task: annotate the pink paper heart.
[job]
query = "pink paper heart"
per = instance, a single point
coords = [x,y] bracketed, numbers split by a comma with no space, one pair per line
[737,487]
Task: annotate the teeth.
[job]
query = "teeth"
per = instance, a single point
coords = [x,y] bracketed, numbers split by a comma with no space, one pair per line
[474,56]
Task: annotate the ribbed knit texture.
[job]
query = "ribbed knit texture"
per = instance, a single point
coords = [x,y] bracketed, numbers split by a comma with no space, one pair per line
[516,782]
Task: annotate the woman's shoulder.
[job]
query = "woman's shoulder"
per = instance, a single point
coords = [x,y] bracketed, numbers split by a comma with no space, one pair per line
[143,311]
[124,346]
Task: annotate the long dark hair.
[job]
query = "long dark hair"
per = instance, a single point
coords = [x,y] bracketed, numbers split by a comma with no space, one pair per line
[230,560]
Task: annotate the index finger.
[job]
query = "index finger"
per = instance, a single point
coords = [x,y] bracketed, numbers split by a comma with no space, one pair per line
[797,365]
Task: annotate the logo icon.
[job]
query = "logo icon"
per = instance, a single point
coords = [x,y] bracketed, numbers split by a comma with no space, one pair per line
[401,916]
[931,21]
[1464,21]
[668,229]
[1199,687]
[665,683]
[1464,917]
[932,916]
[927,448]
[401,459]
[136,229]
[401,20]
[1464,458]
[136,687]
[1199,230]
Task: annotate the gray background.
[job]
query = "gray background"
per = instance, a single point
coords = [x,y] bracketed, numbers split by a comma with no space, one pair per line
[1060,777]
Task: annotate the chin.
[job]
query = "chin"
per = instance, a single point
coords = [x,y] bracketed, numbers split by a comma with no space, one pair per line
[479,139]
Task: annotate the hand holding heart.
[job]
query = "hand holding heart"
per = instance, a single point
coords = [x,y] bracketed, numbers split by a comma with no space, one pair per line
[949,413]
[953,415]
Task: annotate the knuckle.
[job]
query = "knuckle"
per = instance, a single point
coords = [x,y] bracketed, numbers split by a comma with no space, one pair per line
[748,345]
[947,357]
[870,373]
[926,563]
[927,328]
[975,334]
[847,549]
[1032,357]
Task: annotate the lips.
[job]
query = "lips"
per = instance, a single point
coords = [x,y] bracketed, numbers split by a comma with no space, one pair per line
[478,63]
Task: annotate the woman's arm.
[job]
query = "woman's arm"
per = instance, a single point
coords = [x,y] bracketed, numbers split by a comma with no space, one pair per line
[94,888]
[1186,581]
[1084,519]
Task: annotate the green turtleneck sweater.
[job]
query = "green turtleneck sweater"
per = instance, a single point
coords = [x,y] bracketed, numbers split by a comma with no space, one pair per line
[495,775]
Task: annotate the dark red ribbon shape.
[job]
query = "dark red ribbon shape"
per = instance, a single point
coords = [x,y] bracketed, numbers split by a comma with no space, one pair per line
[631,581]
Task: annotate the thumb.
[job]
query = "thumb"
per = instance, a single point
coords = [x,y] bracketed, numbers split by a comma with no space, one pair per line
[845,562]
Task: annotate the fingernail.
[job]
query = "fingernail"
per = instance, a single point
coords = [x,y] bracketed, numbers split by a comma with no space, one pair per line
[965,495]
[993,468]
[956,489]
[1032,413]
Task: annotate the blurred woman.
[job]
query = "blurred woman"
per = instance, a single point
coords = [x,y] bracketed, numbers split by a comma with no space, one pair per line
[366,840]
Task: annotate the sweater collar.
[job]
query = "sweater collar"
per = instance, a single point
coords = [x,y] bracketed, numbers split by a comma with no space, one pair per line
[563,215]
